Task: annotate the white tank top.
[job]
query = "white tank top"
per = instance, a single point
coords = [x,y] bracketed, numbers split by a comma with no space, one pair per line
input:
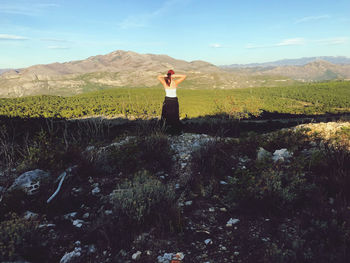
[171,91]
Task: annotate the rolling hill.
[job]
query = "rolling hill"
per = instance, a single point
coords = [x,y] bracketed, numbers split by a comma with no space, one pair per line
[130,69]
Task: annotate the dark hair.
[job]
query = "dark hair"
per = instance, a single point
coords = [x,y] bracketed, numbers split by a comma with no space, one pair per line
[168,78]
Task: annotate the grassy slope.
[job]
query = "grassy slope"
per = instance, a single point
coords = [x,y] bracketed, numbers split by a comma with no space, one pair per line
[317,98]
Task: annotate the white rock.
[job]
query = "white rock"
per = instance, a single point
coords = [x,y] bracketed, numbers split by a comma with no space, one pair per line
[165,258]
[86,215]
[223,209]
[211,209]
[96,190]
[281,155]
[208,241]
[78,223]
[231,222]
[188,203]
[30,215]
[30,181]
[108,212]
[223,183]
[137,255]
[236,253]
[68,257]
[46,225]
[179,256]
[70,215]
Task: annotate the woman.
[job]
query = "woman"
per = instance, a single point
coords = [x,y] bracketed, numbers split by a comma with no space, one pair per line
[170,110]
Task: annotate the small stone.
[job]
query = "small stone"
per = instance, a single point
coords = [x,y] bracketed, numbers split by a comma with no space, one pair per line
[223,209]
[96,190]
[211,209]
[223,248]
[92,249]
[231,222]
[77,243]
[236,253]
[70,215]
[188,203]
[223,183]
[165,258]
[108,212]
[148,252]
[177,186]
[68,257]
[208,241]
[30,215]
[137,255]
[331,200]
[86,215]
[78,223]
[179,256]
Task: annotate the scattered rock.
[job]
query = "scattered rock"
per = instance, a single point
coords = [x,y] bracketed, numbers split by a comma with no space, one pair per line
[188,203]
[30,181]
[281,155]
[208,241]
[78,223]
[168,257]
[108,212]
[70,216]
[69,257]
[30,215]
[137,255]
[86,215]
[95,191]
[231,222]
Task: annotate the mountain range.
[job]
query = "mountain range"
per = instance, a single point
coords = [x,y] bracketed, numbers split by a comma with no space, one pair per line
[339,60]
[130,69]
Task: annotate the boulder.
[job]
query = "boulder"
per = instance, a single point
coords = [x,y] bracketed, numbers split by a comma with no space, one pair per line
[263,154]
[30,181]
[281,155]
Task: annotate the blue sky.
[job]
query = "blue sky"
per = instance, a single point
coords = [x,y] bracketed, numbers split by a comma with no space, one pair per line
[221,32]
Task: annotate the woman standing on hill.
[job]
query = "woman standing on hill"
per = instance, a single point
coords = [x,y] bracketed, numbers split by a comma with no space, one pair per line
[170,110]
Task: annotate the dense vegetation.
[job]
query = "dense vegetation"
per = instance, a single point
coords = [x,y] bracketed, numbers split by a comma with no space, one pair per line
[293,209]
[316,98]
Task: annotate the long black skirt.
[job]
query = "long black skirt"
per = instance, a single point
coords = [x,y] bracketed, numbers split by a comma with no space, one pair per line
[170,114]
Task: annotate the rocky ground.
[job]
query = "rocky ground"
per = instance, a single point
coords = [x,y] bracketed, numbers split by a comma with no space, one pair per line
[74,212]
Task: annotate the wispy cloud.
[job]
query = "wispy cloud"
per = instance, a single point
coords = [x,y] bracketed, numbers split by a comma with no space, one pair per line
[57,47]
[311,18]
[215,45]
[333,41]
[12,37]
[286,42]
[302,41]
[291,42]
[55,40]
[25,8]
[144,20]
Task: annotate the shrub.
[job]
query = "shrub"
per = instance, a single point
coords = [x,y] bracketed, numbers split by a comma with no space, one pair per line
[142,198]
[151,153]
[16,237]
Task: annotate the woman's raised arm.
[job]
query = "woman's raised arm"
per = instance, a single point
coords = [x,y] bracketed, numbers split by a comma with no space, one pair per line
[181,77]
[161,79]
